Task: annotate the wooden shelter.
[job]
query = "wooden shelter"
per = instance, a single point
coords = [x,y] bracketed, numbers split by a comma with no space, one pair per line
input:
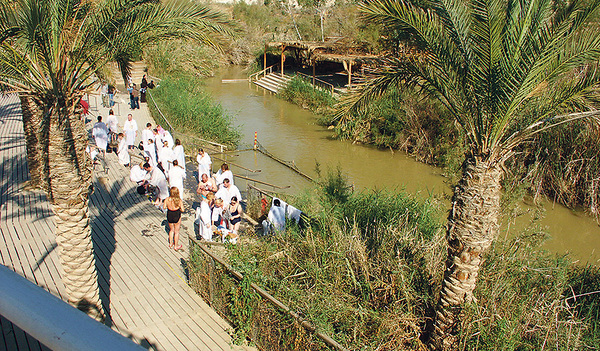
[336,50]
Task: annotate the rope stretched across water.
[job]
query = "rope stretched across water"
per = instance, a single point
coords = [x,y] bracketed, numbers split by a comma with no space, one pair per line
[290,164]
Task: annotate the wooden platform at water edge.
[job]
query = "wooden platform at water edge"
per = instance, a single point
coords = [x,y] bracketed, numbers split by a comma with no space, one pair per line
[142,281]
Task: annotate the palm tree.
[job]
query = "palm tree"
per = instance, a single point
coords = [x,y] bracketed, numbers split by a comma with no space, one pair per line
[50,54]
[506,70]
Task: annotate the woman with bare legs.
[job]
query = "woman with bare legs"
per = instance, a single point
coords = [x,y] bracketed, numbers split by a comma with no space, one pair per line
[174,207]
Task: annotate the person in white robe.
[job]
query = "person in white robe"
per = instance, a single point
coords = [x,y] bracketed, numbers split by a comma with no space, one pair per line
[176,176]
[204,163]
[130,128]
[137,174]
[168,138]
[166,156]
[147,134]
[222,174]
[217,217]
[157,178]
[205,220]
[100,134]
[93,151]
[123,151]
[150,151]
[275,218]
[158,142]
[179,154]
[113,125]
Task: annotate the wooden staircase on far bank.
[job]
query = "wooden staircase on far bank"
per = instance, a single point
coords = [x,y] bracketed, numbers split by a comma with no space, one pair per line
[273,82]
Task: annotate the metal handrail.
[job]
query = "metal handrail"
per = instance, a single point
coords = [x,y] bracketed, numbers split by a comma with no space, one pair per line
[269,69]
[52,321]
[328,86]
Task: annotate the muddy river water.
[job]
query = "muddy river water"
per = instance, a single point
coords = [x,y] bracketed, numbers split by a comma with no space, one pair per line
[292,134]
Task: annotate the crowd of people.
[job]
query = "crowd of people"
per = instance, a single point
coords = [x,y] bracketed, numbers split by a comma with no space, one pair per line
[162,172]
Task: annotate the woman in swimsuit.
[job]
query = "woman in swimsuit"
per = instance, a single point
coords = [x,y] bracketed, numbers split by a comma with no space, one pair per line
[174,207]
[236,217]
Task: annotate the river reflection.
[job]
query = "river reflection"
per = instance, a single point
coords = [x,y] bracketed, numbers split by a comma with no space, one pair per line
[292,134]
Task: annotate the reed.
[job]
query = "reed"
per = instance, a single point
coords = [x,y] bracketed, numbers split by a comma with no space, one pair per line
[190,109]
[366,269]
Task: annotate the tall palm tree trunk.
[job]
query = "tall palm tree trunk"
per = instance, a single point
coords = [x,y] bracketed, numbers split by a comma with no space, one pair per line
[70,187]
[36,139]
[472,226]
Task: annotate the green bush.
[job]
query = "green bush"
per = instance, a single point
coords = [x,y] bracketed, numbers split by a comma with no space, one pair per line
[304,94]
[367,268]
[191,110]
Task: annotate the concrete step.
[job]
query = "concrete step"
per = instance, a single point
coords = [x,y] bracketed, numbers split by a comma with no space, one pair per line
[268,87]
[273,82]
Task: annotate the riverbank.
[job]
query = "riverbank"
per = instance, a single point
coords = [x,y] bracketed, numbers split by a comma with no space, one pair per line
[294,134]
[366,271]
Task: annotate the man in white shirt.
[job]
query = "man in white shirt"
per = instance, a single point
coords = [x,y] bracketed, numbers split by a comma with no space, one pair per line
[130,128]
[227,191]
[176,176]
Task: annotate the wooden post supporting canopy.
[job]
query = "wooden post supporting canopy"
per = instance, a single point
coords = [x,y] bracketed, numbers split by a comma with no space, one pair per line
[282,57]
[349,73]
[265,60]
[313,64]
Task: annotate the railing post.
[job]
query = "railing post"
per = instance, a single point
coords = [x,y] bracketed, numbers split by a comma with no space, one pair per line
[211,281]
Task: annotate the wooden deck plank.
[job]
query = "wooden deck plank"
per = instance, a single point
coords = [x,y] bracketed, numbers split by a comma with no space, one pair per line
[8,335]
[26,246]
[15,262]
[144,279]
[198,322]
[198,327]
[14,336]
[43,261]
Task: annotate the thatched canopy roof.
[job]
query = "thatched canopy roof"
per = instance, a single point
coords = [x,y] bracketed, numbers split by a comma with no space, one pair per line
[338,50]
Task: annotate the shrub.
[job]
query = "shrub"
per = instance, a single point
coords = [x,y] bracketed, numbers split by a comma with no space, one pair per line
[191,110]
[304,94]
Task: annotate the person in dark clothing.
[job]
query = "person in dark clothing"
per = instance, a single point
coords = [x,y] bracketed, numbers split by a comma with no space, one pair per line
[143,88]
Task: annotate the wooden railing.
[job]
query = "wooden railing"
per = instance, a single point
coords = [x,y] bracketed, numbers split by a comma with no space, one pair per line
[323,85]
[209,280]
[264,73]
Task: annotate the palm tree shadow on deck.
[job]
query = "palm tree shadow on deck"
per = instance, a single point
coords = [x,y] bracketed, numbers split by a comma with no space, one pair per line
[103,239]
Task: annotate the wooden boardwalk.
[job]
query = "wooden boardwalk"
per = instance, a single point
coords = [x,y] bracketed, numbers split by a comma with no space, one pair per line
[143,282]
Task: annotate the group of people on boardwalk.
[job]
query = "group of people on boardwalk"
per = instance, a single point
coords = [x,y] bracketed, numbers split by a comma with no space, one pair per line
[107,133]
[162,172]
[220,210]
